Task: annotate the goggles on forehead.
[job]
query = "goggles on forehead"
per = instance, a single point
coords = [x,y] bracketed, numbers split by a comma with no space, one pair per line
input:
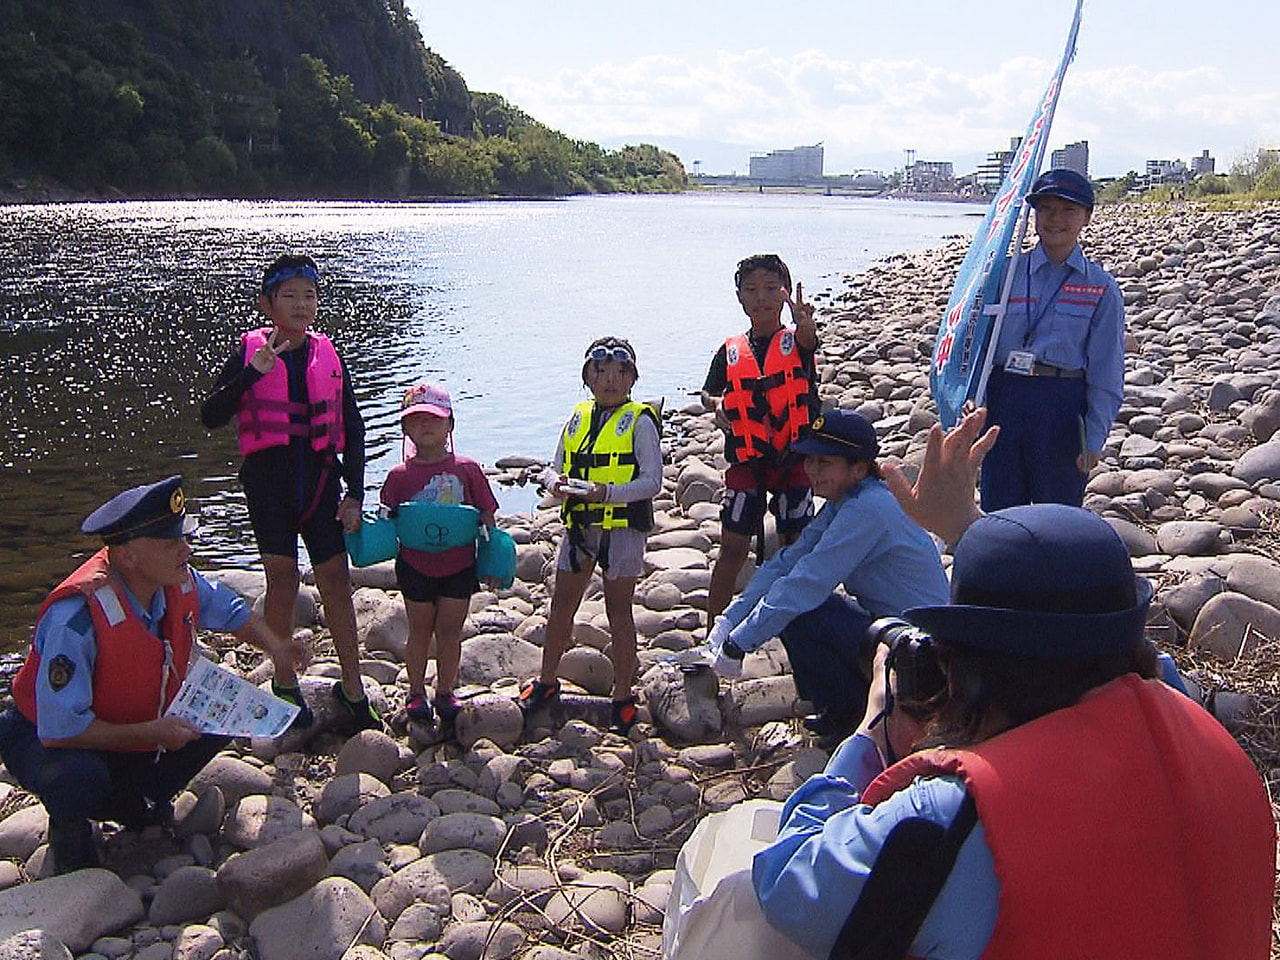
[306,272]
[602,353]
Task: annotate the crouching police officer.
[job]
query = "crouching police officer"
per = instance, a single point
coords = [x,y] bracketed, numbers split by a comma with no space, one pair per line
[110,649]
[1059,802]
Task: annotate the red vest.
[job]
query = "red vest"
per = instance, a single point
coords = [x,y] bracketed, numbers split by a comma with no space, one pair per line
[130,664]
[267,418]
[767,410]
[1130,825]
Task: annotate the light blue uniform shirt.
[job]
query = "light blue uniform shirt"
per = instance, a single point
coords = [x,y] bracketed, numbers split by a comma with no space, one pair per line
[1070,315]
[810,878]
[66,630]
[863,540]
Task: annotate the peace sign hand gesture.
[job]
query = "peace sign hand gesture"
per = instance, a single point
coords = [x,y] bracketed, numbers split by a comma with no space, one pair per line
[802,316]
[264,358]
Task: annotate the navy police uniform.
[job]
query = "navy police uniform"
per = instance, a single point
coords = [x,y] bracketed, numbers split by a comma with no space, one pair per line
[77,785]
[1057,377]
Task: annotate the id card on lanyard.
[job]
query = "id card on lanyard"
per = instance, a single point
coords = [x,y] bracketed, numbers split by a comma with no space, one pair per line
[1023,361]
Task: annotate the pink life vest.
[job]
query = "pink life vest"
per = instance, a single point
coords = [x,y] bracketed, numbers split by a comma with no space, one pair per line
[268,418]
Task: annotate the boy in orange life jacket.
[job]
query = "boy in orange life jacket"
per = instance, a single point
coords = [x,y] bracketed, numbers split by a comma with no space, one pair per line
[763,388]
[296,413]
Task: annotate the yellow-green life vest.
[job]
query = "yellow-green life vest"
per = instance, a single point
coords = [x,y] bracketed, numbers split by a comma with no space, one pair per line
[609,457]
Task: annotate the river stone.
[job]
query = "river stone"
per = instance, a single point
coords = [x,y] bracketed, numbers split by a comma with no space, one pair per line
[233,776]
[756,702]
[271,874]
[489,717]
[1137,540]
[258,820]
[420,921]
[698,483]
[1138,447]
[397,818]
[201,814]
[532,561]
[662,596]
[596,900]
[33,945]
[677,558]
[186,894]
[589,669]
[434,879]
[475,939]
[1254,576]
[371,752]
[1185,599]
[321,924]
[490,657]
[364,863]
[1230,625]
[1260,463]
[453,800]
[1213,485]
[346,794]
[535,883]
[463,831]
[197,941]
[1181,538]
[381,621]
[23,831]
[802,765]
[77,908]
[684,704]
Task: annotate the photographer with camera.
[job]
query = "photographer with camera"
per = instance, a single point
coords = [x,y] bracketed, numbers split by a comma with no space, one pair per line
[1054,800]
[860,538]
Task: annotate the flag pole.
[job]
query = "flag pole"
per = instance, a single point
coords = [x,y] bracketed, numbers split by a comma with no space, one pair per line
[998,310]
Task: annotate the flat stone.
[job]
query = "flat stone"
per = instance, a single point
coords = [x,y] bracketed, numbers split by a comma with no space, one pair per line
[320,924]
[344,795]
[22,831]
[478,939]
[433,879]
[470,831]
[189,893]
[258,820]
[272,874]
[755,702]
[33,945]
[398,818]
[77,908]
[1189,537]
[233,776]
[1231,625]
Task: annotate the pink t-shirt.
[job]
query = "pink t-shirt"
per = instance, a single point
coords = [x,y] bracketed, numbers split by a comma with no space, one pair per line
[452,480]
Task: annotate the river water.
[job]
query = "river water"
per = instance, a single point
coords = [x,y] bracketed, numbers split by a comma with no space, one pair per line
[115,318]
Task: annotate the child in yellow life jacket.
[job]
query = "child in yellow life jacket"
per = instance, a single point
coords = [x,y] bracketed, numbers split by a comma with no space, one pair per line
[609,460]
[763,387]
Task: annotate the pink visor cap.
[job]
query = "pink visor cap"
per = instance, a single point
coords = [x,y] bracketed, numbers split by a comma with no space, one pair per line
[426,398]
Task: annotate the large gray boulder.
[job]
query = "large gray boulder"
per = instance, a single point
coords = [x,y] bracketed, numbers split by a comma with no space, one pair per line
[434,879]
[269,875]
[77,908]
[1231,625]
[684,704]
[321,924]
[189,893]
[490,657]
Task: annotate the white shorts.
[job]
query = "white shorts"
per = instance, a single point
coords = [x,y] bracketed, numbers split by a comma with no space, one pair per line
[626,551]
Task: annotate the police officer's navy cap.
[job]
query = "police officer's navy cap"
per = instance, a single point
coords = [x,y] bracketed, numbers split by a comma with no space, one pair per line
[1063,183]
[1046,581]
[157,510]
[844,433]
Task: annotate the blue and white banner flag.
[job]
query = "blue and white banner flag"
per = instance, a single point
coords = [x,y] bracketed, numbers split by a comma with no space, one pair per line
[977,300]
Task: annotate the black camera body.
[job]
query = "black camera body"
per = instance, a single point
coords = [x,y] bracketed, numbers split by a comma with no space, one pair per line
[912,657]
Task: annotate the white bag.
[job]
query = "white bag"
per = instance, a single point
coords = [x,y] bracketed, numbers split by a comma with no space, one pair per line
[713,913]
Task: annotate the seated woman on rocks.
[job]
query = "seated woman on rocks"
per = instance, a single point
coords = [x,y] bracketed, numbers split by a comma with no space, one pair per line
[860,538]
[1058,802]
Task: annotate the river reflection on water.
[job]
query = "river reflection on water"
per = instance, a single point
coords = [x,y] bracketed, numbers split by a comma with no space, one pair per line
[115,318]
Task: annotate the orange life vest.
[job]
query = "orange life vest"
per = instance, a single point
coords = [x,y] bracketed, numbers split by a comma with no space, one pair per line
[268,418]
[132,662]
[1128,825]
[767,410]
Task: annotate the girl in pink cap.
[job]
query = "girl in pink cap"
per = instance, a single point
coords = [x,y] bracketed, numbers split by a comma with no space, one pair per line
[437,584]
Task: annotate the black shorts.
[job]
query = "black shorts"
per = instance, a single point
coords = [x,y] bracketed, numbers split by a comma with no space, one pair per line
[276,523]
[420,588]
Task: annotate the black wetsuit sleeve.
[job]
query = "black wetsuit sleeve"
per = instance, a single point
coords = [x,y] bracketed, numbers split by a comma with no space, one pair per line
[224,400]
[718,375]
[353,432]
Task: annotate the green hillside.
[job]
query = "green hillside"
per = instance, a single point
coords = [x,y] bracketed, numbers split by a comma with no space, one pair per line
[279,98]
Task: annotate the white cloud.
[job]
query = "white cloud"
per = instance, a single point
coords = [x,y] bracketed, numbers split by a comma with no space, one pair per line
[877,107]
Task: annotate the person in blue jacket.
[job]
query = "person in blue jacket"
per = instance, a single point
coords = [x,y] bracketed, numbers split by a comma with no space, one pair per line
[1057,376]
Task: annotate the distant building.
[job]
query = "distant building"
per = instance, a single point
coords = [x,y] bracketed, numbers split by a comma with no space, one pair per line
[1202,164]
[797,163]
[1166,171]
[993,170]
[1074,156]
[930,176]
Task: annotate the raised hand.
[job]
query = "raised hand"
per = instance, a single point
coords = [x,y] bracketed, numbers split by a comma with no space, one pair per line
[802,316]
[264,358]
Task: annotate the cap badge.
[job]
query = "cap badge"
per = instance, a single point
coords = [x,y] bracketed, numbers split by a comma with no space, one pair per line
[177,501]
[818,423]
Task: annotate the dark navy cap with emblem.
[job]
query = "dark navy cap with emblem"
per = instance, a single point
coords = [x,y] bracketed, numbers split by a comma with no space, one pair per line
[1063,183]
[156,510]
[844,433]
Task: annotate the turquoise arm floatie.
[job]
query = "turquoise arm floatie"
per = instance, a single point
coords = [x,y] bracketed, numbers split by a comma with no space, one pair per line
[496,557]
[374,542]
[436,526]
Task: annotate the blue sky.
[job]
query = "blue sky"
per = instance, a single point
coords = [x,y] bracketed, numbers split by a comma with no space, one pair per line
[718,81]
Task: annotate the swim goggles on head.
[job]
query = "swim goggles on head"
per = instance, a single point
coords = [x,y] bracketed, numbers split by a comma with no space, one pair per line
[306,272]
[602,353]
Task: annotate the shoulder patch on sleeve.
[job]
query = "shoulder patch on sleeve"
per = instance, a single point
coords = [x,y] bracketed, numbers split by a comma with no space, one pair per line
[60,671]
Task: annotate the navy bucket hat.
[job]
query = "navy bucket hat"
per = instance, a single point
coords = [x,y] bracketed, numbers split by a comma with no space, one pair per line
[1063,183]
[1046,581]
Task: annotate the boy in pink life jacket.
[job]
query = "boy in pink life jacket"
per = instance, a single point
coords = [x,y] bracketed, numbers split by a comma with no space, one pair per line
[302,438]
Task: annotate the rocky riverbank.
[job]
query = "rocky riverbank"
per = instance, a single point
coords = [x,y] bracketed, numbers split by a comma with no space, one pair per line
[557,841]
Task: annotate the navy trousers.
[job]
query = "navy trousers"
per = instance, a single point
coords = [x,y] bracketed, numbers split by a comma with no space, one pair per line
[1034,459]
[80,785]
[823,646]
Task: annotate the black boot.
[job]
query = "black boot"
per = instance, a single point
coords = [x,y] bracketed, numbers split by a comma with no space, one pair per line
[72,846]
